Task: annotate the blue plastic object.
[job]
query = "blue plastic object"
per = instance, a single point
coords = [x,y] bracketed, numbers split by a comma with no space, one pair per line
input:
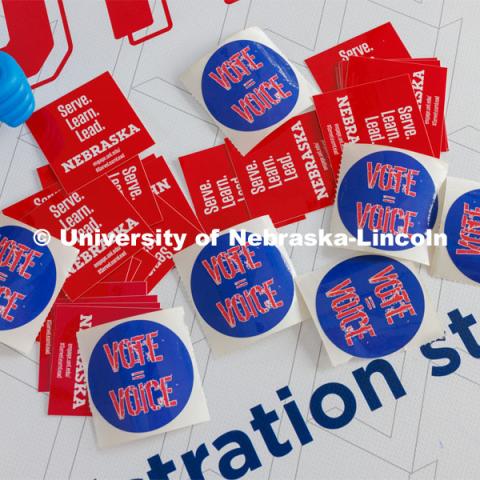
[16,97]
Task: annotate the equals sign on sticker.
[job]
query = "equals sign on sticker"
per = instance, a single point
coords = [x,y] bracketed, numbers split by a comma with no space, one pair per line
[140,375]
[370,303]
[388,199]
[241,283]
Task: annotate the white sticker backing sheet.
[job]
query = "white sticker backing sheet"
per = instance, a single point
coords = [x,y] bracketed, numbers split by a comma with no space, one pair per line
[368,306]
[142,377]
[460,222]
[248,87]
[31,276]
[242,292]
[386,190]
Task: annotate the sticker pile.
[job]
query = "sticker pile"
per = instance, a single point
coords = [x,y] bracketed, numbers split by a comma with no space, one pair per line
[96,183]
[369,146]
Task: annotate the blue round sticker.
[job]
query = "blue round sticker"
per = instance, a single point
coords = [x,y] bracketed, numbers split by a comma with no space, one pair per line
[370,306]
[462,227]
[388,192]
[27,277]
[241,291]
[247,86]
[140,376]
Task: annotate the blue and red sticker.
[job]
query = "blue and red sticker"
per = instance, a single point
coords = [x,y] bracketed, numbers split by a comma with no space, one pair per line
[28,277]
[140,376]
[370,306]
[241,290]
[248,86]
[462,226]
[387,192]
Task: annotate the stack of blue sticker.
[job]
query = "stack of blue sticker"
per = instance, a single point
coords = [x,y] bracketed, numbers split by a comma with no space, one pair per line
[16,97]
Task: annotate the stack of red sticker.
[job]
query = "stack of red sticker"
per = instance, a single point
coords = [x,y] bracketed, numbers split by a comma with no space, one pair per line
[143,198]
[379,113]
[375,92]
[60,368]
[96,185]
[285,176]
[380,42]
[429,81]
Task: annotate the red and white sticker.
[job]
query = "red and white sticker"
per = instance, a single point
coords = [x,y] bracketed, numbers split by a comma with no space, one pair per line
[132,291]
[286,175]
[214,188]
[132,182]
[88,132]
[87,211]
[45,337]
[342,66]
[23,207]
[428,83]
[379,113]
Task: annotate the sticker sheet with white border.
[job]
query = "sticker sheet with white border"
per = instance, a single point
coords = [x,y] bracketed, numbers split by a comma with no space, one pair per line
[248,87]
[459,261]
[142,377]
[388,190]
[368,306]
[241,293]
[31,277]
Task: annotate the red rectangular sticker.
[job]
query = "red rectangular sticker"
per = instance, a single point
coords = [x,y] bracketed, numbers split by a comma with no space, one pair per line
[214,188]
[132,182]
[97,207]
[342,67]
[288,175]
[88,132]
[428,82]
[382,113]
[380,42]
